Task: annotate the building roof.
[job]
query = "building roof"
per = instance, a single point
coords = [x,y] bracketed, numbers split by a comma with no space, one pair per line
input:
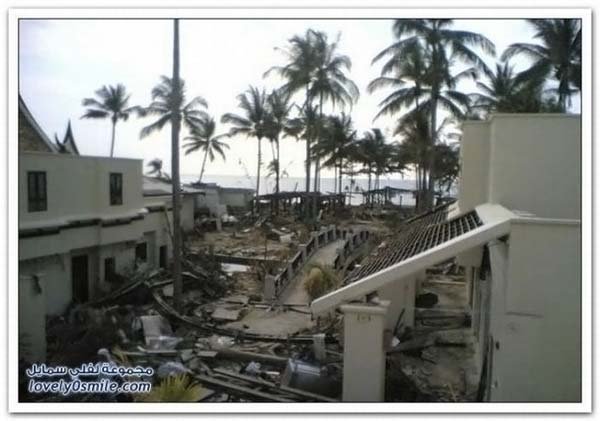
[68,144]
[421,235]
[424,245]
[42,141]
[154,186]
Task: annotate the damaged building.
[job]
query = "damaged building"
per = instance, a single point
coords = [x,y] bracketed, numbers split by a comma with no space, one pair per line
[516,232]
[82,220]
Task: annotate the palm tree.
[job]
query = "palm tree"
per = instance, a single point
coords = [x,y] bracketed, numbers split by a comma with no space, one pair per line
[339,134]
[277,124]
[559,55]
[169,104]
[441,46]
[203,138]
[374,151]
[252,123]
[298,74]
[330,81]
[415,150]
[156,168]
[505,92]
[168,99]
[111,103]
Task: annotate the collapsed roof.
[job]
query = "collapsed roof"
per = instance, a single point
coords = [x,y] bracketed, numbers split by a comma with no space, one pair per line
[424,241]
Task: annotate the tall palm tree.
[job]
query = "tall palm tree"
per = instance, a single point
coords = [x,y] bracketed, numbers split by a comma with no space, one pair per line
[558,55]
[330,81]
[252,123]
[203,138]
[339,134]
[278,124]
[110,102]
[506,93]
[298,74]
[442,46]
[169,104]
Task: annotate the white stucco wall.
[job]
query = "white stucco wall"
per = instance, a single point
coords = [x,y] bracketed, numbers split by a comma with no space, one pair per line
[235,198]
[535,313]
[78,187]
[526,162]
[474,164]
[209,200]
[32,319]
[535,164]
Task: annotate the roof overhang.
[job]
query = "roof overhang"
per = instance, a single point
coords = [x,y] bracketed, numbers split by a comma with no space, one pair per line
[495,224]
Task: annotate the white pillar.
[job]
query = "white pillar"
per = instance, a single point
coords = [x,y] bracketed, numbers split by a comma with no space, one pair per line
[269,287]
[364,352]
[401,295]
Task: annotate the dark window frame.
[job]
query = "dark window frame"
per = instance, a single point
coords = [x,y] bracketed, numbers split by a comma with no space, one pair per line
[115,184]
[37,191]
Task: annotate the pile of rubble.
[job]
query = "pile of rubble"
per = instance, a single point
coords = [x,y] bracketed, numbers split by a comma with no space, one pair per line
[192,341]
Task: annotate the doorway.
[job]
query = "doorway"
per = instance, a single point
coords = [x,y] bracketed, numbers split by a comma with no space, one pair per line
[80,278]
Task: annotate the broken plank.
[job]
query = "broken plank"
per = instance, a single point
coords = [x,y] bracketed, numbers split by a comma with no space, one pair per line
[263,382]
[251,356]
[245,391]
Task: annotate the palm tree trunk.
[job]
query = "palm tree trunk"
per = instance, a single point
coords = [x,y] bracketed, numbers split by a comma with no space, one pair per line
[277,177]
[112,142]
[175,126]
[306,104]
[316,181]
[431,185]
[340,176]
[258,175]
[335,169]
[203,164]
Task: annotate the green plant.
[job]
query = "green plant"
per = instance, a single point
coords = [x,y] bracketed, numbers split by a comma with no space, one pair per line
[319,280]
[173,389]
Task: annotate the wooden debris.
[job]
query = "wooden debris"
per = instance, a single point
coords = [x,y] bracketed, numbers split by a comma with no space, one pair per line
[238,389]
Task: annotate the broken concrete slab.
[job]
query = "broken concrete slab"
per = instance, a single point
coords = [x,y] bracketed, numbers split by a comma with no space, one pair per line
[226,314]
[155,326]
[237,299]
[158,334]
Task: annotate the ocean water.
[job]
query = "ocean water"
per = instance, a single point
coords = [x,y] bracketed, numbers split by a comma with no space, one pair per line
[267,185]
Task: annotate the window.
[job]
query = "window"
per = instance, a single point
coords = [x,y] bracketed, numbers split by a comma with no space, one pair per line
[141,252]
[36,191]
[109,269]
[116,189]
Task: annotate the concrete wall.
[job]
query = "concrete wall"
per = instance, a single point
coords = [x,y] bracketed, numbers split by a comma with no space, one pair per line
[235,198]
[535,313]
[535,164]
[187,212]
[401,296]
[78,187]
[474,164]
[525,162]
[210,200]
[32,319]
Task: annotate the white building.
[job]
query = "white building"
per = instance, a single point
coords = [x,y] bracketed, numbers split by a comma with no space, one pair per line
[516,230]
[82,220]
[218,200]
[158,192]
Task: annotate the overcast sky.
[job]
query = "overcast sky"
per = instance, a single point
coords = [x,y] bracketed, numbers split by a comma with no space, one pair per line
[63,61]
